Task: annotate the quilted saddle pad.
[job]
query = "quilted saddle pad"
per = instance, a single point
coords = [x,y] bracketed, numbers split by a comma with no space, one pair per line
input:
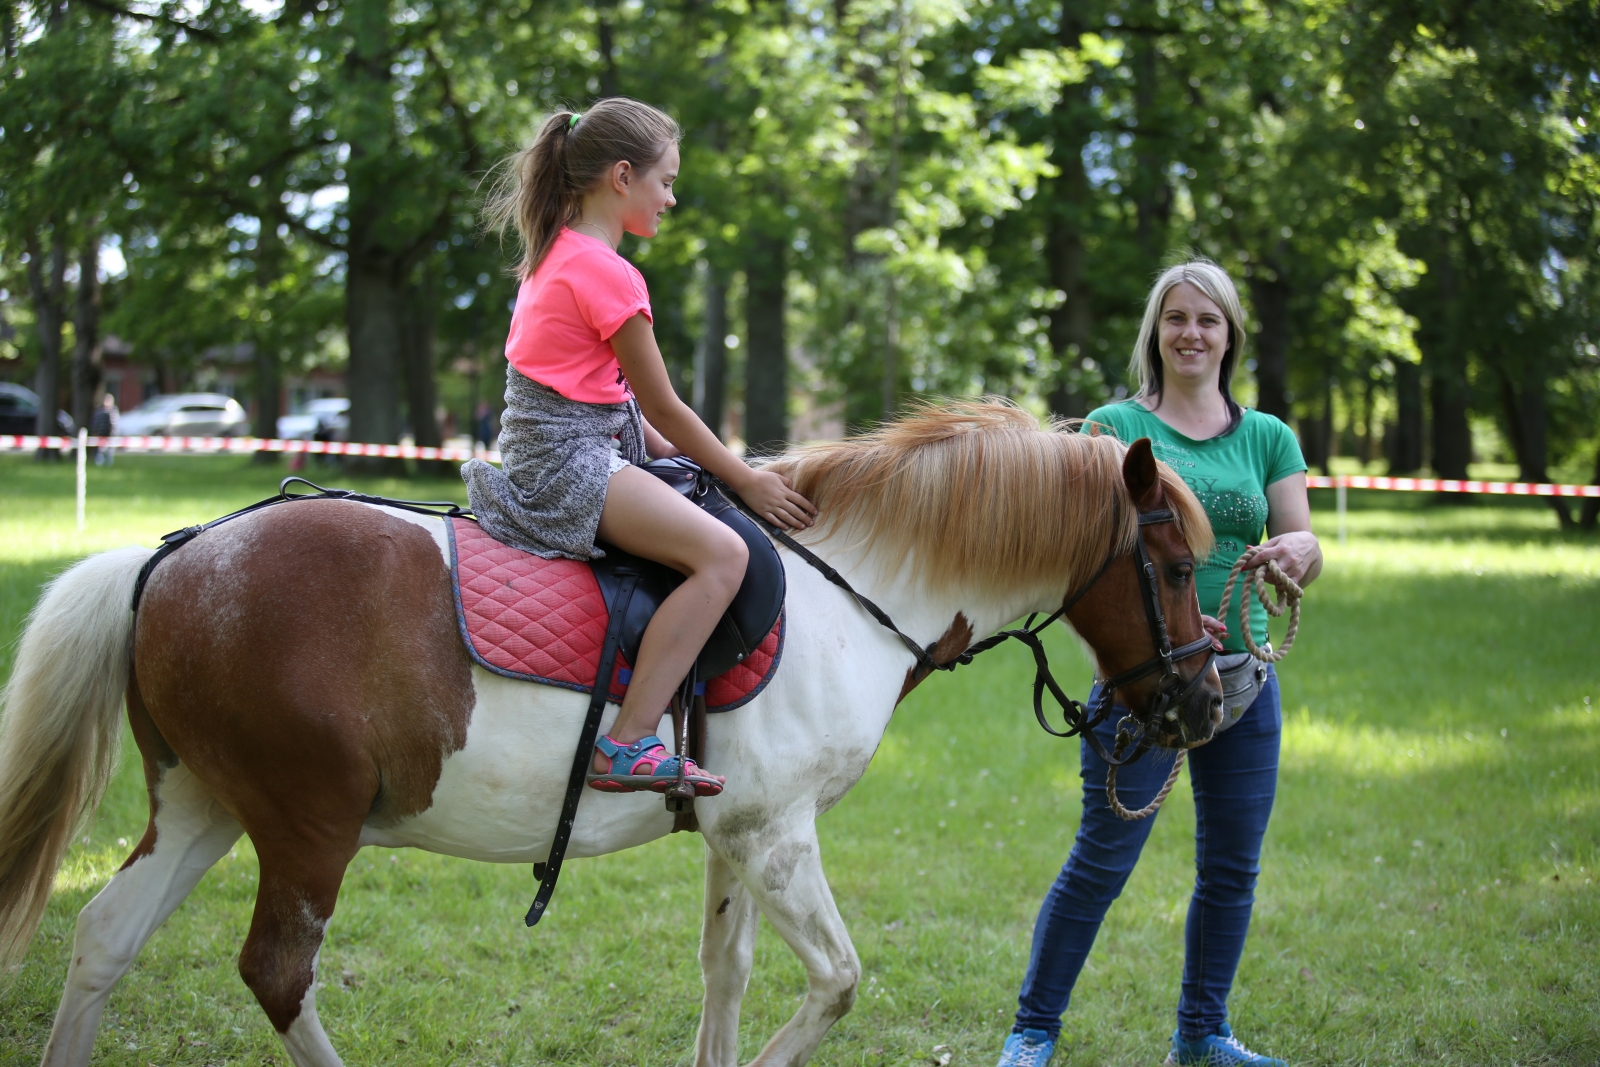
[544,620]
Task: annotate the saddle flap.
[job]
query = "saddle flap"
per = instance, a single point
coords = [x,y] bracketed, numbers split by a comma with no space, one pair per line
[754,611]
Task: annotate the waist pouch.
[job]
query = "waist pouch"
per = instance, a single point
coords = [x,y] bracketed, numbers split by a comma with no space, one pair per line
[1242,678]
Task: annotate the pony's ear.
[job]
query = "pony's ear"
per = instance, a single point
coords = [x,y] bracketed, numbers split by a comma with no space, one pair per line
[1140,475]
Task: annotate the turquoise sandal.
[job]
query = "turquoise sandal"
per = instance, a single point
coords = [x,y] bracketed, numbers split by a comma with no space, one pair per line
[646,765]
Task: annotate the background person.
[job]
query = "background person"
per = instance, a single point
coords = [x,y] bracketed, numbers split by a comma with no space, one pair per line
[103,423]
[1247,470]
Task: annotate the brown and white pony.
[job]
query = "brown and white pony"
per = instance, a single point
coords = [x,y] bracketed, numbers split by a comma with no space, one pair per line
[297,675]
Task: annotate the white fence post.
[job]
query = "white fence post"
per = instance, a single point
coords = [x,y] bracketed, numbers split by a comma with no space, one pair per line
[83,473]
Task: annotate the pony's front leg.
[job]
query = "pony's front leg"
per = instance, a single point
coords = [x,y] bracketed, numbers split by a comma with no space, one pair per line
[784,876]
[727,949]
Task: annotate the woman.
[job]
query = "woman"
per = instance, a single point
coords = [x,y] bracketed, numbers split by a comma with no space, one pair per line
[1247,470]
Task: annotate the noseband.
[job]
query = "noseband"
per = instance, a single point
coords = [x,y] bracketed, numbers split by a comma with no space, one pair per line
[1080,719]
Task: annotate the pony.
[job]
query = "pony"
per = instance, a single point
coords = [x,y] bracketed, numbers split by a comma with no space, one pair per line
[297,675]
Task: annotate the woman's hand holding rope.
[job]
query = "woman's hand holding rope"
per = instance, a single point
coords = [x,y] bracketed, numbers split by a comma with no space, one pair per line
[1259,575]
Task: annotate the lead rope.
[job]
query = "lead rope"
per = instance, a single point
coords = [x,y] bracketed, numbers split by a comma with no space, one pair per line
[1288,596]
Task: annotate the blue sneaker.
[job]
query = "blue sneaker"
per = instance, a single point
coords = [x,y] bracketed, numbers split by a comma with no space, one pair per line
[1220,1049]
[1031,1048]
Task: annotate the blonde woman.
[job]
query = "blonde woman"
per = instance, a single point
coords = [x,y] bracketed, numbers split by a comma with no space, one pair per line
[1247,470]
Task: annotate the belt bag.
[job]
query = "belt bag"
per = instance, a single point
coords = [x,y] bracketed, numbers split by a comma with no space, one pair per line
[1242,678]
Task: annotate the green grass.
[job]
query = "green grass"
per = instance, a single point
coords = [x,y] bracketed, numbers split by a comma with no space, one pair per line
[1427,891]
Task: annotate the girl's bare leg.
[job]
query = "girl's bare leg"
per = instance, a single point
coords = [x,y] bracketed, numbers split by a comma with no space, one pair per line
[647,518]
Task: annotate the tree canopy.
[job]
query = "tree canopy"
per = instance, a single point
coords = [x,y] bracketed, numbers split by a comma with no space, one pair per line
[880,199]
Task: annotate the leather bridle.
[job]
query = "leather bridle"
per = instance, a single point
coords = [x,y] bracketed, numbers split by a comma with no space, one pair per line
[1079,718]
[1172,691]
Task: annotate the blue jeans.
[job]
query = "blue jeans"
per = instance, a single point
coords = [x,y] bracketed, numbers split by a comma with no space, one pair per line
[1234,777]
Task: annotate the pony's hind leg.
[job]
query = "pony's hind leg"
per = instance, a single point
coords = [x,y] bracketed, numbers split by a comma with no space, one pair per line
[188,832]
[727,950]
[300,879]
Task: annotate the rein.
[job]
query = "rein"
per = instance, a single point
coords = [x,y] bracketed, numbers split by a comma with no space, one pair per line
[1079,719]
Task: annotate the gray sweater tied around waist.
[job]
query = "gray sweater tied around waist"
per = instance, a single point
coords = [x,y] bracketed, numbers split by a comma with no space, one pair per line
[557,459]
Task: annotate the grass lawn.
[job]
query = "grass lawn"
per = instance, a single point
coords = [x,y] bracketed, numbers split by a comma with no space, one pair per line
[1427,892]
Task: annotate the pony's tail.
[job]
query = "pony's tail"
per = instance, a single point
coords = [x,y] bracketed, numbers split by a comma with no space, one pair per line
[59,729]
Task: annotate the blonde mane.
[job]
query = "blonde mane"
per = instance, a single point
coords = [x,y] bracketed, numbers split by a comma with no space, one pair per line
[977,492]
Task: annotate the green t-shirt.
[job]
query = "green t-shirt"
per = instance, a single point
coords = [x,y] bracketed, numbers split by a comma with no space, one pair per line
[1230,475]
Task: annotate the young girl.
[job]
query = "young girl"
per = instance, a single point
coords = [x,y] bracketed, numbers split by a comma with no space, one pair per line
[588,398]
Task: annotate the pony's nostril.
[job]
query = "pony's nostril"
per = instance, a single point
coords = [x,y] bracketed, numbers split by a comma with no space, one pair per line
[1216,711]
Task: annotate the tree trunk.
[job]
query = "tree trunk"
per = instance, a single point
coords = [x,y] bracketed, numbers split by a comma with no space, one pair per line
[1527,423]
[1152,196]
[1369,429]
[86,332]
[1069,203]
[1271,296]
[268,386]
[267,389]
[1316,435]
[375,269]
[47,283]
[422,395]
[766,390]
[1452,435]
[374,319]
[711,354]
[1591,505]
[605,11]
[1406,436]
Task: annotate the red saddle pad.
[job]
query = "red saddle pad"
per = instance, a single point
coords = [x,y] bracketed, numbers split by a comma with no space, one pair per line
[544,620]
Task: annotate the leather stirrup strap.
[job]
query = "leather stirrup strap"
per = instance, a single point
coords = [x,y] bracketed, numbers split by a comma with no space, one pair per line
[585,754]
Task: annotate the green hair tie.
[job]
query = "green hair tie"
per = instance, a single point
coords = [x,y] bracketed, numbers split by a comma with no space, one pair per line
[573,121]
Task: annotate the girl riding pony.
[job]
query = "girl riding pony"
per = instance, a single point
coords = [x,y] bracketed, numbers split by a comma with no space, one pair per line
[588,400]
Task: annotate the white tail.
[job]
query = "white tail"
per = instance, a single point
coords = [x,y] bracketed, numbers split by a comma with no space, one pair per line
[59,729]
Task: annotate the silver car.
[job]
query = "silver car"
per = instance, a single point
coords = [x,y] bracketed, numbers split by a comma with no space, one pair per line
[325,419]
[186,415]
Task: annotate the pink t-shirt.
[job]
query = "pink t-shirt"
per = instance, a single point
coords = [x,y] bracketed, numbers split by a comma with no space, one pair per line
[566,314]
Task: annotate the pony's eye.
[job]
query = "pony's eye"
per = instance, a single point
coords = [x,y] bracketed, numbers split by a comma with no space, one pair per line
[1181,572]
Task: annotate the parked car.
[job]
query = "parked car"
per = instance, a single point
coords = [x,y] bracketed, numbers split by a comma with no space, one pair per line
[186,415]
[327,419]
[19,412]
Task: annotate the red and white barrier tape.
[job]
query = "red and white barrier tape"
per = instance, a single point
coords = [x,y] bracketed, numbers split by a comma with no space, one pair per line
[13,443]
[195,445]
[1450,485]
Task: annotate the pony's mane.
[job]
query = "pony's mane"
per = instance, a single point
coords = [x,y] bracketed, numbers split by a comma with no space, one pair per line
[977,492]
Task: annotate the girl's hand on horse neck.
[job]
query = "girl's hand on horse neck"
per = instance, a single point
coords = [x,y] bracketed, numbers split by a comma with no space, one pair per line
[1291,541]
[768,495]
